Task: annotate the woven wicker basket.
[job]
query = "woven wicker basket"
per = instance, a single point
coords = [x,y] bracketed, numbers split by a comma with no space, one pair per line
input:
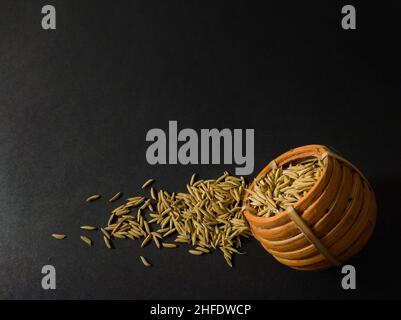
[326,227]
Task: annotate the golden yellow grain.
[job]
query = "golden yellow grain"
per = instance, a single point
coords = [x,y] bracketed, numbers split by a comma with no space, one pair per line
[109,222]
[118,224]
[121,212]
[107,242]
[193,178]
[157,235]
[93,198]
[169,245]
[59,236]
[89,228]
[146,225]
[152,220]
[146,241]
[204,250]
[145,262]
[164,230]
[145,204]
[156,241]
[115,197]
[195,252]
[229,262]
[153,193]
[172,230]
[119,235]
[105,233]
[148,183]
[86,240]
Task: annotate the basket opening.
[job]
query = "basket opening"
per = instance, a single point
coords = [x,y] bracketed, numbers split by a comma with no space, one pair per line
[277,189]
[299,161]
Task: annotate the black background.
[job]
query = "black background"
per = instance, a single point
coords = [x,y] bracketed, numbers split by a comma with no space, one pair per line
[76,103]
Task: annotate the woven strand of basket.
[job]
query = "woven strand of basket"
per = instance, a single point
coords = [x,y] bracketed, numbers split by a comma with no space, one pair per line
[308,233]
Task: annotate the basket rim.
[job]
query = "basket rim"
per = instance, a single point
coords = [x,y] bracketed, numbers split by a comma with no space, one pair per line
[283,159]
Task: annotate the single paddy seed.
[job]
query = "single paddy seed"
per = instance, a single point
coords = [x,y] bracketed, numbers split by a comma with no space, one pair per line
[195,252]
[107,242]
[146,240]
[145,262]
[148,183]
[169,245]
[93,198]
[86,240]
[59,236]
[115,197]
[89,228]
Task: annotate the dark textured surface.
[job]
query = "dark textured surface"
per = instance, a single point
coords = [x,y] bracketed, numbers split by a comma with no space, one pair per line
[76,103]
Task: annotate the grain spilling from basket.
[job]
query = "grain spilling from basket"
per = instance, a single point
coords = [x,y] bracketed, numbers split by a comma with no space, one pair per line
[310,208]
[207,217]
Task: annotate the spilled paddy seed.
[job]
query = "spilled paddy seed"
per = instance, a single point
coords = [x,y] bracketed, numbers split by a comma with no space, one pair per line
[116,197]
[148,183]
[59,236]
[88,241]
[145,262]
[88,228]
[206,216]
[93,198]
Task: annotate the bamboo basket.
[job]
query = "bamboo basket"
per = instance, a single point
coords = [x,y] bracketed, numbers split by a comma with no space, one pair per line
[326,227]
